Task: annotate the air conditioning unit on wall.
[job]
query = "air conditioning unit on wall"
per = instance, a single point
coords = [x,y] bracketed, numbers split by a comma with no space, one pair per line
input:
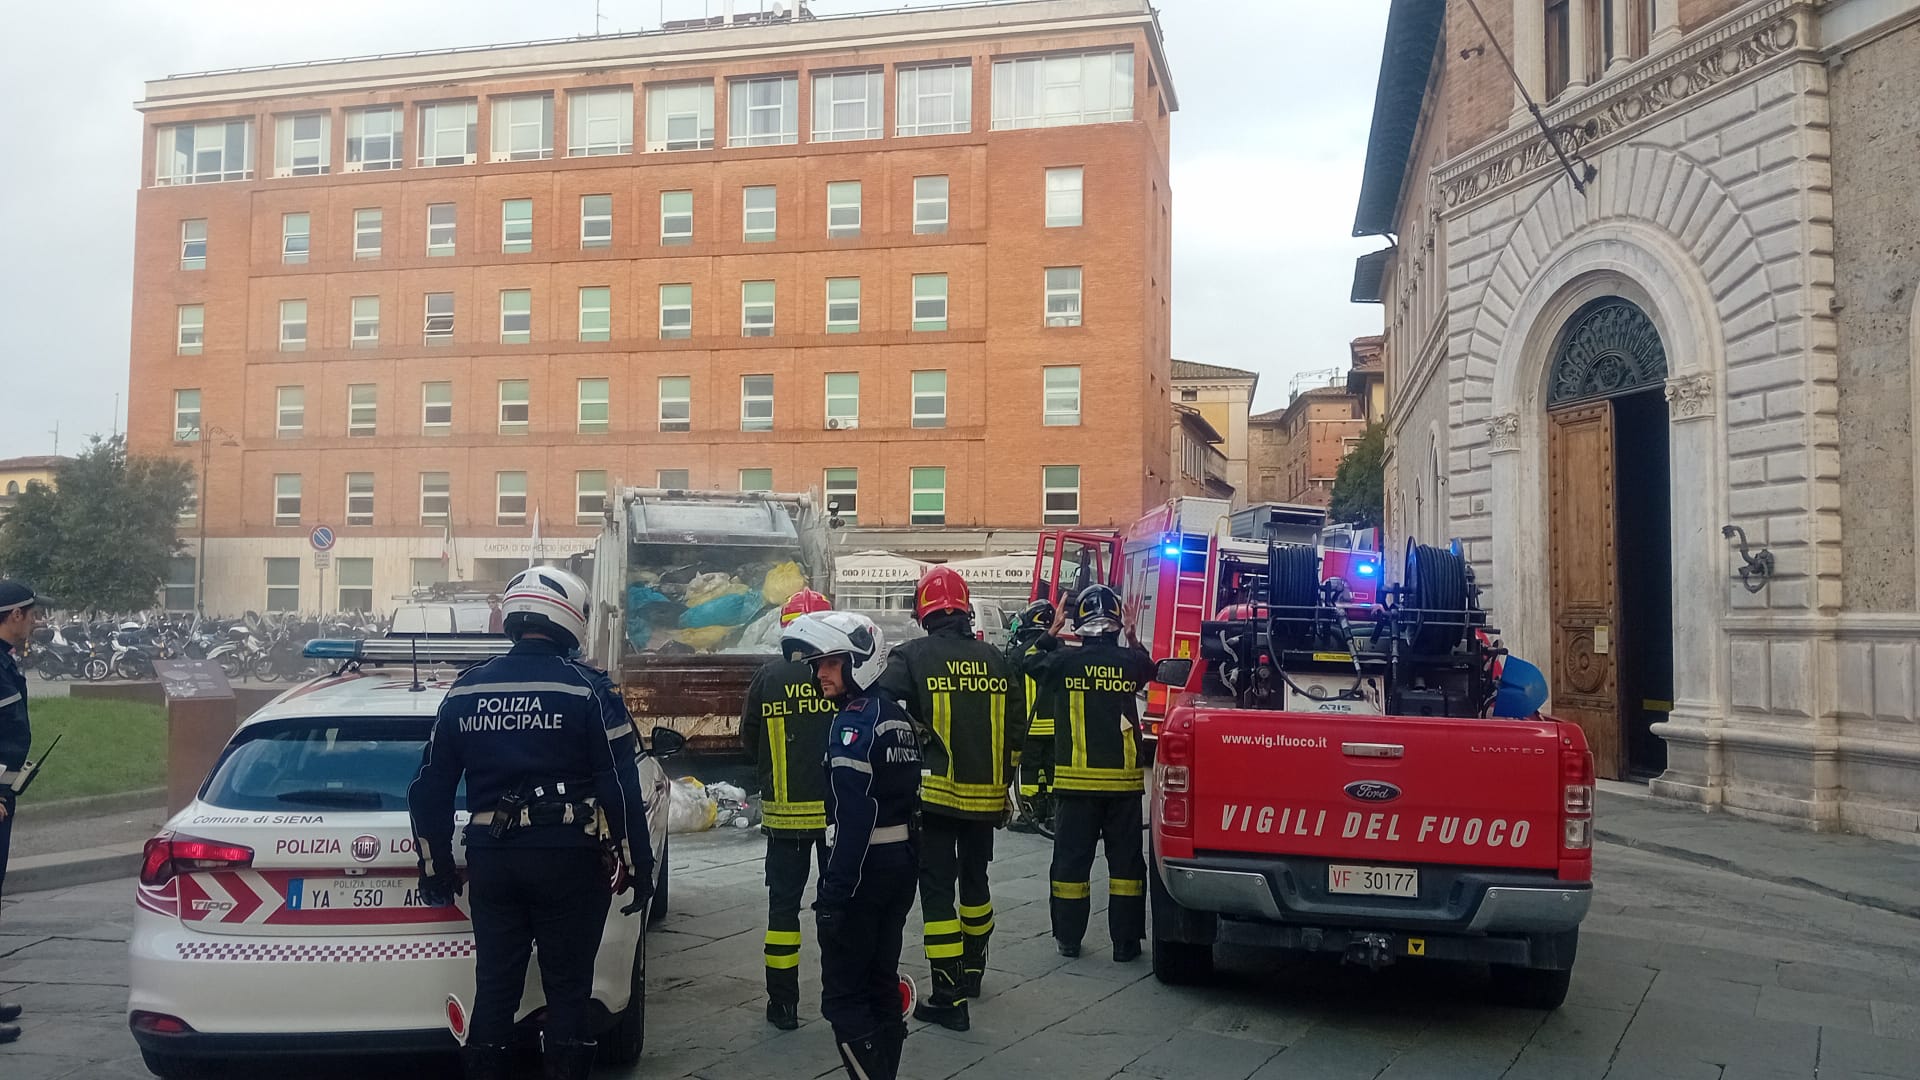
[842,423]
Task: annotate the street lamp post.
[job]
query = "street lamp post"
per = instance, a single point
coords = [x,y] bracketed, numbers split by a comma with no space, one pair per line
[204,435]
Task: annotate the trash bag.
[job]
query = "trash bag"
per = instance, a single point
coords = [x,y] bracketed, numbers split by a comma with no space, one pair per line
[732,609]
[762,635]
[700,639]
[689,807]
[639,627]
[782,582]
[711,587]
[733,808]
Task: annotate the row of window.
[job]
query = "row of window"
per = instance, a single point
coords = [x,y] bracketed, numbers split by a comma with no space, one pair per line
[759,219]
[930,99]
[1060,495]
[1060,307]
[594,408]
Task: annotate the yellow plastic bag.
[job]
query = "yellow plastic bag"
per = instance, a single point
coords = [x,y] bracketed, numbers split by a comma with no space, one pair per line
[782,582]
[711,587]
[703,638]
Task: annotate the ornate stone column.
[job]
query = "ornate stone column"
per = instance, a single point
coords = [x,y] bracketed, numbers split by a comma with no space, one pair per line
[1696,769]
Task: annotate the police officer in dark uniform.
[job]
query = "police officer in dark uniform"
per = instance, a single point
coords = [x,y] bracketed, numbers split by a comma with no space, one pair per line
[549,755]
[783,727]
[1032,640]
[19,614]
[971,708]
[1098,775]
[873,779]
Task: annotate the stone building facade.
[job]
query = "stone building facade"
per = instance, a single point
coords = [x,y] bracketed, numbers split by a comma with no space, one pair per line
[1663,390]
[1223,396]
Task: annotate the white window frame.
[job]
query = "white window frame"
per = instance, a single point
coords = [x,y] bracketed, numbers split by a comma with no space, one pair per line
[1048,489]
[188,260]
[1063,89]
[281,605]
[443,493]
[363,410]
[676,332]
[602,391]
[685,385]
[1053,397]
[671,232]
[502,491]
[182,412]
[921,419]
[743,111]
[742,480]
[354,596]
[363,515]
[585,487]
[843,403]
[670,104]
[1066,197]
[439,333]
[929,298]
[510,243]
[428,425]
[600,121]
[359,138]
[752,400]
[286,499]
[364,227]
[209,155]
[516,323]
[851,92]
[847,495]
[1057,289]
[930,210]
[296,154]
[596,321]
[522,127]
[442,248]
[516,413]
[767,229]
[289,412]
[363,325]
[296,237]
[848,321]
[293,318]
[190,337]
[924,83]
[449,133]
[915,489]
[596,227]
[757,308]
[848,225]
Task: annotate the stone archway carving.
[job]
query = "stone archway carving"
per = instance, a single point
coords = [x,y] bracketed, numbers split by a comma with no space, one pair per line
[1609,348]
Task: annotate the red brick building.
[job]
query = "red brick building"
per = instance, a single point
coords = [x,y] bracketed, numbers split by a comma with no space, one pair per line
[906,259]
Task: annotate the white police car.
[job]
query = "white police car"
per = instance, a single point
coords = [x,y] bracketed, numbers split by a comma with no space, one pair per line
[277,913]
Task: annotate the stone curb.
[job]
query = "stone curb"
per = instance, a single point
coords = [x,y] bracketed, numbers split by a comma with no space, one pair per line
[1698,858]
[97,805]
[40,873]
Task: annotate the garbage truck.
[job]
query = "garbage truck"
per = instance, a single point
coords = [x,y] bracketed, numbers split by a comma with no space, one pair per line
[687,590]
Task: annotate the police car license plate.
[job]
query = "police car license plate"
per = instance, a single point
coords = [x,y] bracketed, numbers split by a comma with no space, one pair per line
[1373,881]
[352,893]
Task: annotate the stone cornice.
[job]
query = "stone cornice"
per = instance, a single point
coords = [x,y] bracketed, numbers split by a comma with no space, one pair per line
[1737,47]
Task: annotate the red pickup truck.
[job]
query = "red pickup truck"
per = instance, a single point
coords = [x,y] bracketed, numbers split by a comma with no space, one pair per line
[1425,810]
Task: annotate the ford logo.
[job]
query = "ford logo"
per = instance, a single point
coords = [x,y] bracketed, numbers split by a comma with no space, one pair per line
[367,848]
[1372,791]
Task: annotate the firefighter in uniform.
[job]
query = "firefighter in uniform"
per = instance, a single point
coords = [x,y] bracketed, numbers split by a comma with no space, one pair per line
[783,727]
[549,755]
[872,764]
[971,709]
[1030,644]
[1097,775]
[18,616]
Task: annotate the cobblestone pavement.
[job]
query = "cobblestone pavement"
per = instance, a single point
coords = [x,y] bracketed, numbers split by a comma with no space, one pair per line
[1685,972]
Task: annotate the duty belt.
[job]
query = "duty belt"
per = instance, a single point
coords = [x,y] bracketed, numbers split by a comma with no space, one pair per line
[569,813]
[889,834]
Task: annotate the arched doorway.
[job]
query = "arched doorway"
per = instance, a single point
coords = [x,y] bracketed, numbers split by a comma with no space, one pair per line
[1609,542]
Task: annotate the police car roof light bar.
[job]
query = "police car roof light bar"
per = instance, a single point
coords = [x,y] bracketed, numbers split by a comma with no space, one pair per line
[412,649]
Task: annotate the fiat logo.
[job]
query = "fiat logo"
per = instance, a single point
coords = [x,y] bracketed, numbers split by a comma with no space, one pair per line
[1372,791]
[367,848]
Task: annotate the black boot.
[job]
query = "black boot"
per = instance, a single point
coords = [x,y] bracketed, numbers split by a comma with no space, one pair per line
[866,1056]
[479,1061]
[970,983]
[1125,952]
[568,1060]
[1067,949]
[783,1016]
[8,1033]
[951,1015]
[9,1013]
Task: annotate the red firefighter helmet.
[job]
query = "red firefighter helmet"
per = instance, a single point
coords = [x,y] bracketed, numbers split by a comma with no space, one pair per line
[804,602]
[941,589]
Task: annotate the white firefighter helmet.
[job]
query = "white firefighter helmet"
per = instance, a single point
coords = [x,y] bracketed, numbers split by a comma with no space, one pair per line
[838,633]
[546,600]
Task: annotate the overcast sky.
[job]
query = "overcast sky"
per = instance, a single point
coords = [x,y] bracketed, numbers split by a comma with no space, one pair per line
[1268,145]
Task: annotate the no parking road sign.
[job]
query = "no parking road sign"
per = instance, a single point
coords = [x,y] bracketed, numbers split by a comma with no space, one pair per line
[321,538]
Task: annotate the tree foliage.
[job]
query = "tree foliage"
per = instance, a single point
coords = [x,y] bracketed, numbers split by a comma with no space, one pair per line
[102,538]
[1359,486]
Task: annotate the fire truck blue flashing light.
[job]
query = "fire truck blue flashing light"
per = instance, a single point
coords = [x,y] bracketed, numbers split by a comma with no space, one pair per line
[1170,546]
[1365,569]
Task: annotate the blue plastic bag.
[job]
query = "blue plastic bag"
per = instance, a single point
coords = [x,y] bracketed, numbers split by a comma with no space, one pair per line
[733,609]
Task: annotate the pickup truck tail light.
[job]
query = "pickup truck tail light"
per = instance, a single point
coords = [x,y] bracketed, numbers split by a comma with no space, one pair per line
[169,855]
[1173,761]
[1576,809]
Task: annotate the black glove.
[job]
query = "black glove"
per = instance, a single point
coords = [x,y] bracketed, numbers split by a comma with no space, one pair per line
[642,886]
[439,890]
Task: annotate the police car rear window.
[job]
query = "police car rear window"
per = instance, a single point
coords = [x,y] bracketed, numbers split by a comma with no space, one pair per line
[360,764]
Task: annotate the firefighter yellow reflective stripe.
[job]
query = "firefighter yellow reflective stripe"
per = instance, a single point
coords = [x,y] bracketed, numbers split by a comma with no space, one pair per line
[943,939]
[975,911]
[999,740]
[1129,754]
[944,950]
[777,744]
[1041,726]
[1071,890]
[976,920]
[1077,721]
[799,816]
[981,798]
[943,728]
[783,949]
[1126,887]
[1066,778]
[781,963]
[783,937]
[937,927]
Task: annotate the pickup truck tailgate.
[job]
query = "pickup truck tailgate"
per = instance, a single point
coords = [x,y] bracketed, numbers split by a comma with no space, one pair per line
[1393,789]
